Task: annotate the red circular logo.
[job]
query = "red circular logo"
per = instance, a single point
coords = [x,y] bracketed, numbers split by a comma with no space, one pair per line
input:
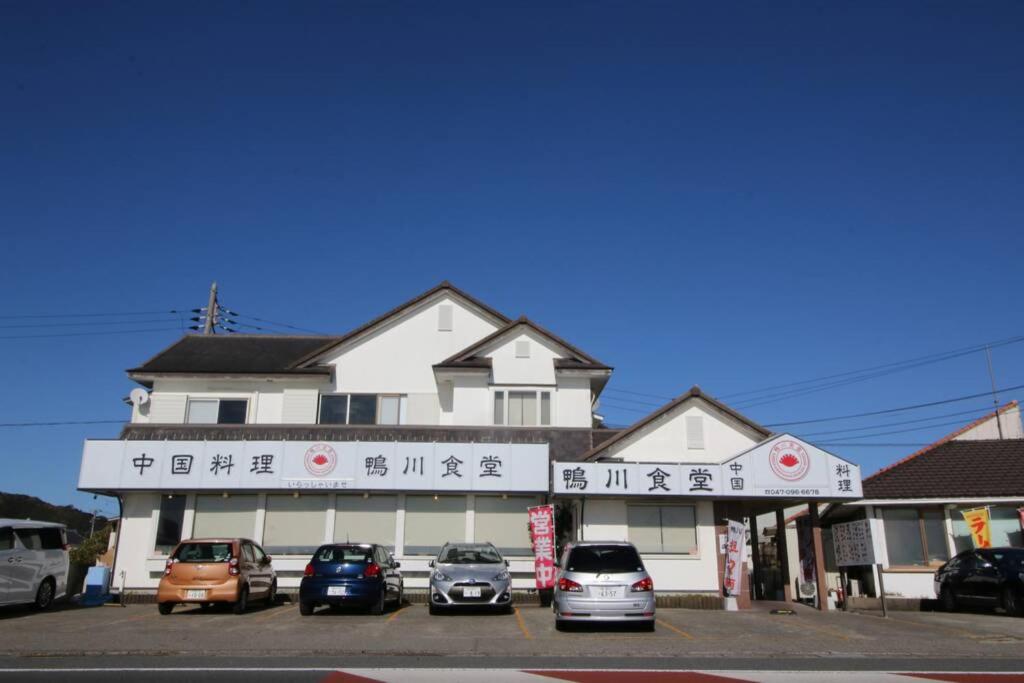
[789,460]
[320,460]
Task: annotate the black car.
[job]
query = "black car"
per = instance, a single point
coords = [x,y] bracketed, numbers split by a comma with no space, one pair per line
[358,574]
[989,577]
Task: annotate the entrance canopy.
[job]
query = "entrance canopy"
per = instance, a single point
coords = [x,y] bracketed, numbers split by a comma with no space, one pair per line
[782,467]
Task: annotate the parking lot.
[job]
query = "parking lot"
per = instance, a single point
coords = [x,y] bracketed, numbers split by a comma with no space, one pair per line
[530,631]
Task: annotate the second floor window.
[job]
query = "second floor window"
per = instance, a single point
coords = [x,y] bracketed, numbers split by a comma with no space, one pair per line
[219,411]
[522,408]
[360,409]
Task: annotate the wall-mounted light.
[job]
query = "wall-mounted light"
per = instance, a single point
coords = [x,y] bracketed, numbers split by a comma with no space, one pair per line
[435,496]
[365,495]
[295,494]
[224,495]
[504,496]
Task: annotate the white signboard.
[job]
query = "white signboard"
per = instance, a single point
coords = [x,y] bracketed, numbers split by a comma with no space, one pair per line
[782,467]
[856,543]
[369,466]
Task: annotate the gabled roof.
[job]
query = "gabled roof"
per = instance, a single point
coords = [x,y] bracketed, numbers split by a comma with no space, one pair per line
[235,354]
[954,469]
[694,392]
[949,437]
[468,357]
[444,286]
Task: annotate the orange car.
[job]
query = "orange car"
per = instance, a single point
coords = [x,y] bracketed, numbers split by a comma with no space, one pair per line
[207,570]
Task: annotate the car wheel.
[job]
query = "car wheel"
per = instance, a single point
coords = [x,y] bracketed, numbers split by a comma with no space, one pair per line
[1012,602]
[433,611]
[165,607]
[44,596]
[205,606]
[947,599]
[272,594]
[648,626]
[378,607]
[561,625]
[243,601]
[306,608]
[508,609]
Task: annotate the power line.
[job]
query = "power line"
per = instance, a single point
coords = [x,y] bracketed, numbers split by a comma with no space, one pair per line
[615,407]
[892,410]
[900,431]
[640,393]
[935,357]
[87,334]
[90,322]
[894,424]
[61,423]
[285,325]
[85,315]
[872,445]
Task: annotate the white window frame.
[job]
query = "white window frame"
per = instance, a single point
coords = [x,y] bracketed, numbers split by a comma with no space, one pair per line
[402,403]
[506,389]
[248,407]
[696,554]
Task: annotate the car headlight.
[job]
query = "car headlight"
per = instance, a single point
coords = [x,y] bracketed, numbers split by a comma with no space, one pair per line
[502,576]
[441,576]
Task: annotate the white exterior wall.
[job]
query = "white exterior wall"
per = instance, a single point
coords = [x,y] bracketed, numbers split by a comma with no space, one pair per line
[538,369]
[399,358]
[664,440]
[605,520]
[271,401]
[572,402]
[143,567]
[471,400]
[989,429]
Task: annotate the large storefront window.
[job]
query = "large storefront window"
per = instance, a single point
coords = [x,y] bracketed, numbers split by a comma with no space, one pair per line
[663,528]
[915,537]
[1004,523]
[432,521]
[294,526]
[503,522]
[168,525]
[220,517]
[366,520]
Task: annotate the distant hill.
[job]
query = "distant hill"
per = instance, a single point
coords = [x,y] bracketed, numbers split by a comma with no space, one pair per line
[18,506]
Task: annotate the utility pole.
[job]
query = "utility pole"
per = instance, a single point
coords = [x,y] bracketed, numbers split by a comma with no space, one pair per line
[211,311]
[995,397]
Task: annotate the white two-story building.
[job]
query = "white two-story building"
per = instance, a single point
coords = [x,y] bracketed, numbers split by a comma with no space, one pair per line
[441,420]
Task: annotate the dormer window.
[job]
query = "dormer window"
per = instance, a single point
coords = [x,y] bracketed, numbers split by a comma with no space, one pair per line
[522,408]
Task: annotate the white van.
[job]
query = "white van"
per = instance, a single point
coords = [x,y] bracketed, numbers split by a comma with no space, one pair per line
[33,562]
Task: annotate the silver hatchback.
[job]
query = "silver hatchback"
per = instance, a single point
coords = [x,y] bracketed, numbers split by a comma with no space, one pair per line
[603,581]
[466,574]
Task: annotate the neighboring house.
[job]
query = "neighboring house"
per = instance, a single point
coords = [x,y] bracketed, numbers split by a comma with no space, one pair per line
[441,420]
[920,498]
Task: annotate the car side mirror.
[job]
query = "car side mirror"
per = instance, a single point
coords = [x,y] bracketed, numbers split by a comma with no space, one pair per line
[267,559]
[506,563]
[431,564]
[396,565]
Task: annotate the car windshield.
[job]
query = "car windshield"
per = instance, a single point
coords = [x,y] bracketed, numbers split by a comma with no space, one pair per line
[604,559]
[469,554]
[349,554]
[203,552]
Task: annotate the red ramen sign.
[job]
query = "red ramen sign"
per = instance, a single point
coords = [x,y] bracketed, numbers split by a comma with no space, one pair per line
[789,460]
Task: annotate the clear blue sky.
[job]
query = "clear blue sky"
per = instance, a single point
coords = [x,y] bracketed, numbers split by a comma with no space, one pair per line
[731,194]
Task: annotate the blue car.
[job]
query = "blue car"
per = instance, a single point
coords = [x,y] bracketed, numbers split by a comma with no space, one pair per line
[351,574]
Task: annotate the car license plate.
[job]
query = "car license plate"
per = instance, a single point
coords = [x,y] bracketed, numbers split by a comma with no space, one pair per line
[195,595]
[471,592]
[608,591]
[337,590]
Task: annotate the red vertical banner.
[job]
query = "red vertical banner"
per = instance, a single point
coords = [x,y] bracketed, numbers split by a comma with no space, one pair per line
[1020,513]
[542,539]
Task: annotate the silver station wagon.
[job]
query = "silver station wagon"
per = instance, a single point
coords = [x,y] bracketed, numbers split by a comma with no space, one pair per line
[603,581]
